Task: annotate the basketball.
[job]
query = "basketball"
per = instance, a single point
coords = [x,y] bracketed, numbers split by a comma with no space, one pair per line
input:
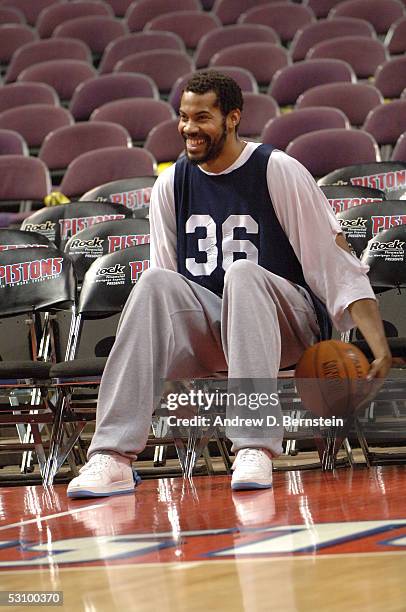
[330,378]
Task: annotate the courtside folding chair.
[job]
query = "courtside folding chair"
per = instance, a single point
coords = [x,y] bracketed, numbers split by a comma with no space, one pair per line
[134,193]
[33,281]
[385,421]
[343,197]
[105,289]
[103,239]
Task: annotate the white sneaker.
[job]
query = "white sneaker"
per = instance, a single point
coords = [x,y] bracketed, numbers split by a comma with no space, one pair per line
[252,470]
[103,475]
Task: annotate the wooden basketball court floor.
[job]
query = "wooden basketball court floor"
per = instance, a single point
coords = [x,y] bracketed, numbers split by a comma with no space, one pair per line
[316,541]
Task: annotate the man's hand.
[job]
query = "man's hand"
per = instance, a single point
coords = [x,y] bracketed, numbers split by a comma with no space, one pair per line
[380,367]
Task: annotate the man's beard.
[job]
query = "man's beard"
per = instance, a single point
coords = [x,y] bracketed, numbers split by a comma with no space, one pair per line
[214,149]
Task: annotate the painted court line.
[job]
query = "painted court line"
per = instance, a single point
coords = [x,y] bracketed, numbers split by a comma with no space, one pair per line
[41,519]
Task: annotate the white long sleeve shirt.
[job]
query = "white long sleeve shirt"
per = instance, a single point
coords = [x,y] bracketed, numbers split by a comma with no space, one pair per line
[305,215]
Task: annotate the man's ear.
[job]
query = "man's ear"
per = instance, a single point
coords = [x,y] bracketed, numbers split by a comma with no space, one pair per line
[233,119]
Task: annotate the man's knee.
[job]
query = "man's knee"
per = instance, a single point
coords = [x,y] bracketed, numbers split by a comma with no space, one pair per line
[244,273]
[157,279]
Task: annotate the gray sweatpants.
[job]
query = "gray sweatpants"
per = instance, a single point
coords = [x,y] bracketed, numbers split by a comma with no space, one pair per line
[173,328]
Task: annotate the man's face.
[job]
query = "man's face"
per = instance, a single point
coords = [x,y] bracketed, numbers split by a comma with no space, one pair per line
[202,126]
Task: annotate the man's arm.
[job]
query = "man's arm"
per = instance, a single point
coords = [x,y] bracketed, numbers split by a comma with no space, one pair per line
[163,222]
[366,316]
[335,275]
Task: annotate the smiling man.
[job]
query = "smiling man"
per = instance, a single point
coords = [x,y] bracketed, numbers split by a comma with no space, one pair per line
[248,268]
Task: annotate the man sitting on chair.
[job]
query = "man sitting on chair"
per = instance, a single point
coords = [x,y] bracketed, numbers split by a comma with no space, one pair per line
[248,265]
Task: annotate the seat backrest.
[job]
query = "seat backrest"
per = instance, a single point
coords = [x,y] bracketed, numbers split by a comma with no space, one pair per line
[138,14]
[136,42]
[258,109]
[44,50]
[395,39]
[228,11]
[325,150]
[354,99]
[97,31]
[390,77]
[18,239]
[281,130]
[362,223]
[12,143]
[63,145]
[35,121]
[217,40]
[97,91]
[110,279]
[324,29]
[262,59]
[137,115]
[33,279]
[386,176]
[381,14]
[344,197]
[104,165]
[163,67]
[120,7]
[284,17]
[20,94]
[363,54]
[289,82]
[23,178]
[134,193]
[321,8]
[243,77]
[164,141]
[63,75]
[190,26]
[387,122]
[31,10]
[9,14]
[105,238]
[59,223]
[12,37]
[52,16]
[399,151]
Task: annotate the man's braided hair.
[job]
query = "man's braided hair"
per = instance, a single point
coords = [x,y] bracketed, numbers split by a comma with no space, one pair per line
[228,92]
